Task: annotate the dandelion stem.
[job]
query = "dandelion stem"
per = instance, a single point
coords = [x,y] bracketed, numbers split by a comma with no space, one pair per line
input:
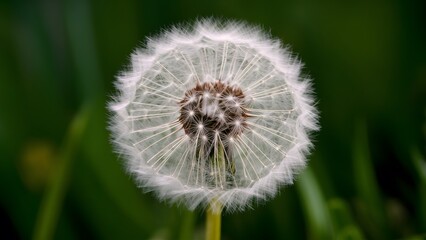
[213,220]
[214,210]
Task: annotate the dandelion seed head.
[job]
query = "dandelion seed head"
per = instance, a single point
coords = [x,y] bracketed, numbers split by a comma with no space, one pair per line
[216,111]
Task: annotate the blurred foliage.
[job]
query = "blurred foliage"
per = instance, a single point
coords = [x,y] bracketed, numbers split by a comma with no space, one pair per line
[366,177]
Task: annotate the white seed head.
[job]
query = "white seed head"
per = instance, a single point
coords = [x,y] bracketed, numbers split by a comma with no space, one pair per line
[216,112]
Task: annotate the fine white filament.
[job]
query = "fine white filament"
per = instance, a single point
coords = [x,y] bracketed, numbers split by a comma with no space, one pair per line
[266,152]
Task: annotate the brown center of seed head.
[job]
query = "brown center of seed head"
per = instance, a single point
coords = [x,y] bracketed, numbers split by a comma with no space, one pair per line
[213,111]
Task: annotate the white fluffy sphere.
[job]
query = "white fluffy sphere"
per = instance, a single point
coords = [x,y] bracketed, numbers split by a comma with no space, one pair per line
[217,112]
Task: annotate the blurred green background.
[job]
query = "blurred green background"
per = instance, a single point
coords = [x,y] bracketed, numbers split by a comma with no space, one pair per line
[60,179]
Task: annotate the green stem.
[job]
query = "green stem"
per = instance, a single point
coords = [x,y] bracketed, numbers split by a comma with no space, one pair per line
[213,220]
[214,210]
[52,200]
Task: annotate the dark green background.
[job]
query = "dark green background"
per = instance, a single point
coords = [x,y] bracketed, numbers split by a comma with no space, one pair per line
[366,176]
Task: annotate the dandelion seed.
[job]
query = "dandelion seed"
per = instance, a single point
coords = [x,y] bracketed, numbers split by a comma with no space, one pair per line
[216,112]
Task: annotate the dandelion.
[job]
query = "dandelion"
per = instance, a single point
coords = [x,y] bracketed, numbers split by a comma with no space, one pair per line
[215,113]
